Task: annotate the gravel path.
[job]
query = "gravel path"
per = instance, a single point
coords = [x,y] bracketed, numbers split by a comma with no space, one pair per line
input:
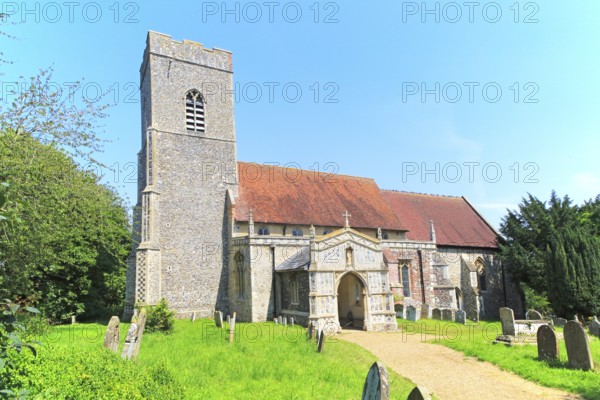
[446,372]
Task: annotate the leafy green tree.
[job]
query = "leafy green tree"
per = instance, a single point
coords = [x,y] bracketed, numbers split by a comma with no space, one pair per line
[573,272]
[72,235]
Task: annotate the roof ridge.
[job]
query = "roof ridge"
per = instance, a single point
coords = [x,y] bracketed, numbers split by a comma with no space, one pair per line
[308,170]
[422,194]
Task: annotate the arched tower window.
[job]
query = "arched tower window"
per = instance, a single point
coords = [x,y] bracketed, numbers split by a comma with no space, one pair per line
[481,275]
[239,261]
[194,111]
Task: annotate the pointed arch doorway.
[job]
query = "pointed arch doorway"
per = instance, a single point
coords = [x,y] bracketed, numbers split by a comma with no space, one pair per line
[351,302]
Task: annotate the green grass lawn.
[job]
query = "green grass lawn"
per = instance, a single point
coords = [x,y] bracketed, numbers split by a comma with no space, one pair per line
[475,340]
[266,361]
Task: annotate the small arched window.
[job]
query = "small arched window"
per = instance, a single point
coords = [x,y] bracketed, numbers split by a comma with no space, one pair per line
[263,231]
[295,291]
[194,111]
[385,235]
[298,232]
[482,279]
[326,232]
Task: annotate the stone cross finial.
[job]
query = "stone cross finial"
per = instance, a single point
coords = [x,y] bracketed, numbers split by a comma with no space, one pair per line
[251,222]
[432,231]
[347,216]
[379,234]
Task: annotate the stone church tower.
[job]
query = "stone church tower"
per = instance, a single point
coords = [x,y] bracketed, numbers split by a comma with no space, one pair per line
[187,172]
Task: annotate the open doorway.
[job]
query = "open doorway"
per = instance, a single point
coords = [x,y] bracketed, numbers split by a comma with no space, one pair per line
[351,302]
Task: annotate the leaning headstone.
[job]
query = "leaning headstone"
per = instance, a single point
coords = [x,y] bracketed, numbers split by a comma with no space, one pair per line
[232,328]
[284,321]
[376,385]
[412,314]
[594,327]
[309,330]
[436,313]
[507,318]
[321,341]
[559,322]
[460,317]
[218,319]
[547,342]
[194,316]
[419,393]
[113,335]
[292,321]
[447,315]
[533,315]
[578,346]
[141,326]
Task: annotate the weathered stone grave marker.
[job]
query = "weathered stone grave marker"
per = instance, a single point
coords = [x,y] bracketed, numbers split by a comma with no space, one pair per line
[228,319]
[436,314]
[133,340]
[425,311]
[578,346]
[594,327]
[507,318]
[460,317]
[73,320]
[533,315]
[113,335]
[321,342]
[218,319]
[376,385]
[275,321]
[284,321]
[447,315]
[559,322]
[232,328]
[280,320]
[318,334]
[194,316]
[547,342]
[419,393]
[292,321]
[309,331]
[412,314]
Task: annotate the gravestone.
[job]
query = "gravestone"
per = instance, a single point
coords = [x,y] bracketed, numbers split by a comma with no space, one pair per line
[73,320]
[284,321]
[460,317]
[447,315]
[292,321]
[419,393]
[594,327]
[280,320]
[399,309]
[228,319]
[194,316]
[533,315]
[412,314]
[436,313]
[321,341]
[133,337]
[113,335]
[559,322]
[232,328]
[318,335]
[425,311]
[578,346]
[376,385]
[141,326]
[309,331]
[507,318]
[218,319]
[547,342]
[276,321]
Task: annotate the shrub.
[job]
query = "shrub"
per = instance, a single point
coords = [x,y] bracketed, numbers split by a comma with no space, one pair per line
[160,318]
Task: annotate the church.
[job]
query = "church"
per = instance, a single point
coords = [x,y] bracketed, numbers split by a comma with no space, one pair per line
[212,233]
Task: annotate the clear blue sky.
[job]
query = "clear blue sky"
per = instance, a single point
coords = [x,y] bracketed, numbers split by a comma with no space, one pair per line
[373,61]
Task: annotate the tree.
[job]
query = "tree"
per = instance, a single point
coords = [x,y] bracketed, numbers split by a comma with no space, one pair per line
[73,235]
[573,268]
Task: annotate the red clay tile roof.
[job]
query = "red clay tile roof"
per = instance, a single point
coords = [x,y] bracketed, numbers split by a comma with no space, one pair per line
[456,222]
[298,197]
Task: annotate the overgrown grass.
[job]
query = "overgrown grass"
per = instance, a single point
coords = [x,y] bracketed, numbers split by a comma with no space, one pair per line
[266,361]
[475,340]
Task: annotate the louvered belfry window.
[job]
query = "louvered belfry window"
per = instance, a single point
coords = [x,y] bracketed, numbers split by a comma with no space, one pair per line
[194,111]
